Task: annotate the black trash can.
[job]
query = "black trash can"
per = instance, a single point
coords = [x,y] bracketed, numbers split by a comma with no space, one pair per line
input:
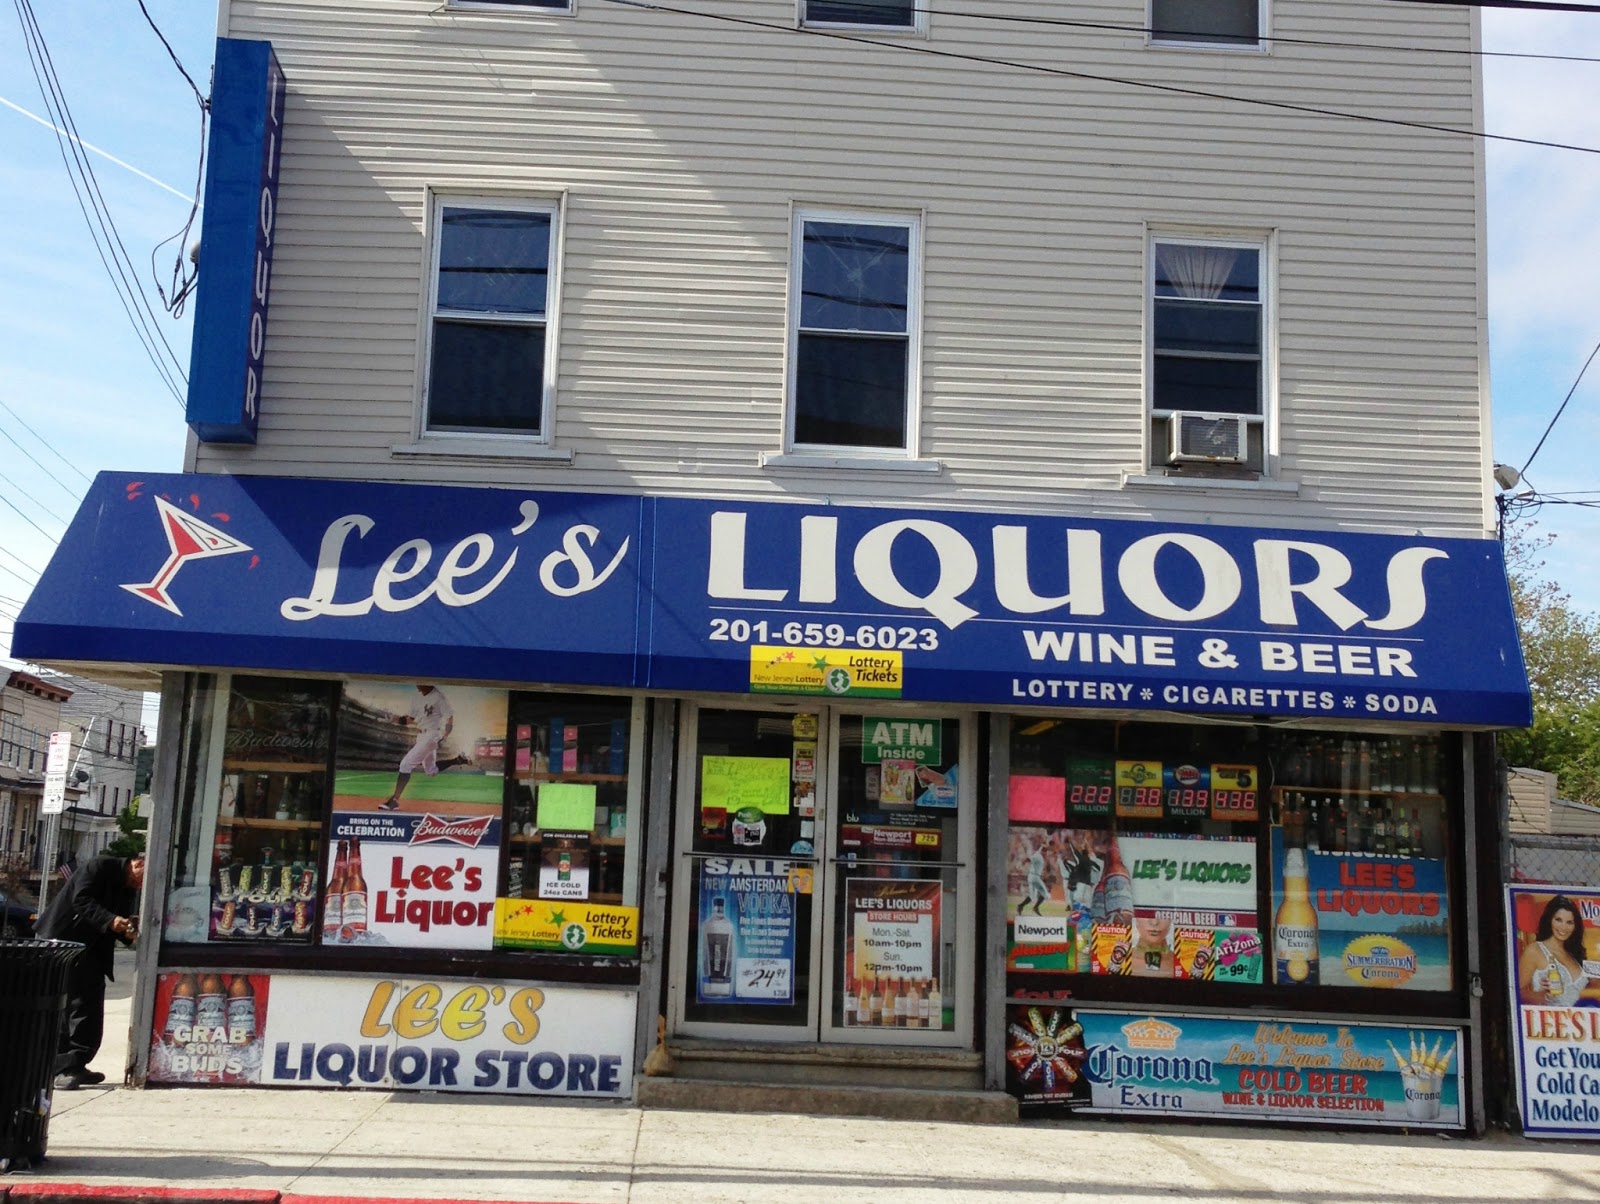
[33,1000]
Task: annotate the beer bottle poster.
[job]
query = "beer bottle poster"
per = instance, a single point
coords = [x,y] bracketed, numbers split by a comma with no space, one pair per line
[563,865]
[748,929]
[208,1028]
[1382,921]
[413,856]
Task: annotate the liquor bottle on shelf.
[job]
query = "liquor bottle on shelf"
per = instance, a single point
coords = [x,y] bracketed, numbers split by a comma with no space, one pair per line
[354,921]
[1364,765]
[1364,827]
[333,900]
[1314,829]
[1380,827]
[1341,828]
[1430,766]
[1383,766]
[1414,766]
[1416,832]
[1402,834]
[1347,765]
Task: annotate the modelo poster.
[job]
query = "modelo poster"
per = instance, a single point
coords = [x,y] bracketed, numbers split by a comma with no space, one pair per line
[747,931]
[1381,921]
[1555,955]
[1235,1068]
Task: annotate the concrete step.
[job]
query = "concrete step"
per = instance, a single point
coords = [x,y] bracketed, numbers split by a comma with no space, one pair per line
[812,1064]
[888,1103]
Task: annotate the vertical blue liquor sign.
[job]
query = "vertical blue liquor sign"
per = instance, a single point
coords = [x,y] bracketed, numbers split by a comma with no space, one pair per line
[238,234]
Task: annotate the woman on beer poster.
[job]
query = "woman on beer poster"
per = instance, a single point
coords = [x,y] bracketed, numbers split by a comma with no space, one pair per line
[1550,970]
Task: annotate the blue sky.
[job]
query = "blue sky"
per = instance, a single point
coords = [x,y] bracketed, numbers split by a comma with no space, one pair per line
[72,369]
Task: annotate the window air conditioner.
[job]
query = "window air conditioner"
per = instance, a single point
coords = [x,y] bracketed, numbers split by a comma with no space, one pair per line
[1206,438]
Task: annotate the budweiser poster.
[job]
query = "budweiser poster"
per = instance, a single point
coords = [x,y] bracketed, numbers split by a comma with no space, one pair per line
[419,780]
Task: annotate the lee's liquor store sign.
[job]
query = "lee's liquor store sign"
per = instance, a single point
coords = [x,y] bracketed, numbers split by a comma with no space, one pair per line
[739,597]
[421,1035]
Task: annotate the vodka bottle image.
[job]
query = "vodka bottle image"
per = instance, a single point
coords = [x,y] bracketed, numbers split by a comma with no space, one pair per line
[1294,930]
[716,951]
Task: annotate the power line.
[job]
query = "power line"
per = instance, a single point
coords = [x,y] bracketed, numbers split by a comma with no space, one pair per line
[183,278]
[28,520]
[87,478]
[1562,409]
[48,474]
[1093,77]
[101,225]
[171,52]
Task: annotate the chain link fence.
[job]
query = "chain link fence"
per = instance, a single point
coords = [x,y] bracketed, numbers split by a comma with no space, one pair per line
[1562,860]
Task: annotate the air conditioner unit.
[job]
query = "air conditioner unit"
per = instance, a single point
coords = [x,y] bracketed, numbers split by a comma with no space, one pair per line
[1207,438]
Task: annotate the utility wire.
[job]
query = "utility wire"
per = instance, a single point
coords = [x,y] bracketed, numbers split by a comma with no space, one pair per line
[183,279]
[101,225]
[1093,77]
[38,505]
[1562,409]
[48,474]
[87,478]
[173,54]
[28,520]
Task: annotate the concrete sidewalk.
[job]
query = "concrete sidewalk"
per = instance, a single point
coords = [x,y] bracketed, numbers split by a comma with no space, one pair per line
[407,1145]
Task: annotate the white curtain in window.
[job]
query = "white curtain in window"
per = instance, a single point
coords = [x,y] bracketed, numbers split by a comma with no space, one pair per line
[1197,273]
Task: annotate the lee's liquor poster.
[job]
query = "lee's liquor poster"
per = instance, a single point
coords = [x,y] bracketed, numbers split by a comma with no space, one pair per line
[414,855]
[1555,999]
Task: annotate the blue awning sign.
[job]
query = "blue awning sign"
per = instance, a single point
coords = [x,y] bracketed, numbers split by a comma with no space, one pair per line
[692,594]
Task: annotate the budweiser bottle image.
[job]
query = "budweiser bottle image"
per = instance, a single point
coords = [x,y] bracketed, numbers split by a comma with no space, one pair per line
[180,1010]
[211,1004]
[716,951]
[241,1010]
[333,900]
[1294,929]
[355,896]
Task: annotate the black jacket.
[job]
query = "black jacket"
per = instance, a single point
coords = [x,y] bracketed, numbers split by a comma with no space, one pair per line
[95,895]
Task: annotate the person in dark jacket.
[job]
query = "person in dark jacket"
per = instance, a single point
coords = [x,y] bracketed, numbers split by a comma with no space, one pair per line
[98,907]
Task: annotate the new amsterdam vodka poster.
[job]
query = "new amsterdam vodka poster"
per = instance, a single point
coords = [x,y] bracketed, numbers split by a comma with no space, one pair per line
[747,932]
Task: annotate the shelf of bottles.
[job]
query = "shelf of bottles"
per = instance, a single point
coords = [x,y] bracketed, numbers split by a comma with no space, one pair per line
[265,865]
[1379,796]
[574,743]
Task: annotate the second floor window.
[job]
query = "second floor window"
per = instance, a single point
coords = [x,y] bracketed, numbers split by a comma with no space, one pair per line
[1206,22]
[853,339]
[487,369]
[894,14]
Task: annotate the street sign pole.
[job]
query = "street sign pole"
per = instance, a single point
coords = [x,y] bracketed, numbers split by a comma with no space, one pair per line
[51,806]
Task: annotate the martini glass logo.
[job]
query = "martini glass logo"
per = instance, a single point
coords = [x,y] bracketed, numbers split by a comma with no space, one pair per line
[190,539]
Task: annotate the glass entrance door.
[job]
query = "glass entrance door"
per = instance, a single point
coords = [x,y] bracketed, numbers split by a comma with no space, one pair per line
[823,881]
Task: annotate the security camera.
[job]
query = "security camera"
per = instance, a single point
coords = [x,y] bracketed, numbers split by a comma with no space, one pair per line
[1506,477]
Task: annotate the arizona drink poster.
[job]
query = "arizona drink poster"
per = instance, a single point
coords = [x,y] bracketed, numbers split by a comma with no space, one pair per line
[1555,999]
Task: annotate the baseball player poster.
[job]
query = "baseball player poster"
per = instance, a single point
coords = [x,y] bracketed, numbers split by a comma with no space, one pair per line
[419,786]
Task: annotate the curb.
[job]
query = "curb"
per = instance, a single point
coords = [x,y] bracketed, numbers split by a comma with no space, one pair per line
[83,1193]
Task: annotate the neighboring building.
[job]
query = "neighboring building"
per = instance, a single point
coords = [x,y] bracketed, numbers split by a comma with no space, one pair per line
[105,722]
[775,527]
[30,709]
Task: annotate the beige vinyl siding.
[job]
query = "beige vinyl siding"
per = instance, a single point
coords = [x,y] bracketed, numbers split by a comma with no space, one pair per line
[680,148]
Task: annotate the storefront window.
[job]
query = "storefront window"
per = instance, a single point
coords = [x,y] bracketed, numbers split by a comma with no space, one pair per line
[1235,855]
[407,816]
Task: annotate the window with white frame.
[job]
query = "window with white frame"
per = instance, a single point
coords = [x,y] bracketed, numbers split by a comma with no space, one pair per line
[879,14]
[488,362]
[1206,22]
[853,332]
[1208,386]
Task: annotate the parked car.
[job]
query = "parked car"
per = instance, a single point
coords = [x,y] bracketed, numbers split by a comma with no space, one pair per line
[16,917]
